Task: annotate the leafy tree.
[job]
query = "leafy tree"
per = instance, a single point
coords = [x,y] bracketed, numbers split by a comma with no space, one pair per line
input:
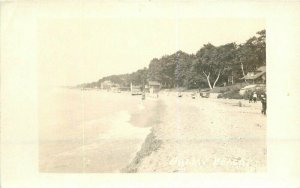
[208,67]
[215,62]
[252,54]
[155,70]
[183,66]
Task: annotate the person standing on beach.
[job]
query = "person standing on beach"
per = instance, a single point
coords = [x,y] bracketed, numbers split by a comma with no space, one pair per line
[264,104]
[250,97]
[254,97]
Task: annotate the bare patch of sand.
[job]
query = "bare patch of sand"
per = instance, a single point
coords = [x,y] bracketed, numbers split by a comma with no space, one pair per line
[204,135]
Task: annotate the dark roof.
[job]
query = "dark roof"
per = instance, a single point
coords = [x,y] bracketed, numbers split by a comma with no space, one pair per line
[260,71]
[253,77]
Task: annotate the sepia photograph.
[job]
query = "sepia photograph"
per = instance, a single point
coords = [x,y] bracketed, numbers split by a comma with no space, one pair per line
[179,95]
[127,93]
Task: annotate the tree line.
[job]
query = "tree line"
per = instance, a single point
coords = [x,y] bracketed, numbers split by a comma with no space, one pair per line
[211,66]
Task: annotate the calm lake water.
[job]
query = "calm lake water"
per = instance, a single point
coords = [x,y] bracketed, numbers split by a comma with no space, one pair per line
[88,131]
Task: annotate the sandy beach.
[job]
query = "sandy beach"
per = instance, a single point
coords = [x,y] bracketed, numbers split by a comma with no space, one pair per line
[204,135]
[100,131]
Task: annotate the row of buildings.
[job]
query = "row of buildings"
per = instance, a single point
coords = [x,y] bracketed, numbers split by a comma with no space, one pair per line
[151,87]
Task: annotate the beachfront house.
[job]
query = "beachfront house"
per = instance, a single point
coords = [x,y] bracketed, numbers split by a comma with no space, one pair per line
[256,77]
[135,89]
[154,87]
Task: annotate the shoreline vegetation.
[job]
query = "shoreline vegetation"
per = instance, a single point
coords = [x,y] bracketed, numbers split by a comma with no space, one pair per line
[209,68]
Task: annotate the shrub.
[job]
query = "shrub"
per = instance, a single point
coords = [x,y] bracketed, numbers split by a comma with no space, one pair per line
[232,94]
[247,94]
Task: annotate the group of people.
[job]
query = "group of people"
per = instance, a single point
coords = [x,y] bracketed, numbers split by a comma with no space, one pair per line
[263,98]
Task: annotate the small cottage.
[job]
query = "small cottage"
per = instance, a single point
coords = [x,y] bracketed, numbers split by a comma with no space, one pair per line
[135,89]
[257,76]
[154,87]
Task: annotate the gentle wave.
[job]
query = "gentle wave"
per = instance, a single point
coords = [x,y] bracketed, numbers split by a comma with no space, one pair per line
[120,128]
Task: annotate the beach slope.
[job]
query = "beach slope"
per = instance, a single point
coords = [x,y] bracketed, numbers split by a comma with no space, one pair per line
[204,135]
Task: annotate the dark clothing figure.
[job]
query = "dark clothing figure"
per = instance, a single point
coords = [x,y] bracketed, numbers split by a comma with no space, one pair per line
[264,104]
[254,97]
[250,99]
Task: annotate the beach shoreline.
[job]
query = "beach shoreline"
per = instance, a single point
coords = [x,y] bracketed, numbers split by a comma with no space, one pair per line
[164,134]
[230,138]
[89,131]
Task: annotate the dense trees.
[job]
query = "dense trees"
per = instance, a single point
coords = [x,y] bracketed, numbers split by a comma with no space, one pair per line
[171,70]
[215,62]
[252,54]
[211,66]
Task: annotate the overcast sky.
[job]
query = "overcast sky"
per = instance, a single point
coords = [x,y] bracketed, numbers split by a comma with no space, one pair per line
[76,50]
